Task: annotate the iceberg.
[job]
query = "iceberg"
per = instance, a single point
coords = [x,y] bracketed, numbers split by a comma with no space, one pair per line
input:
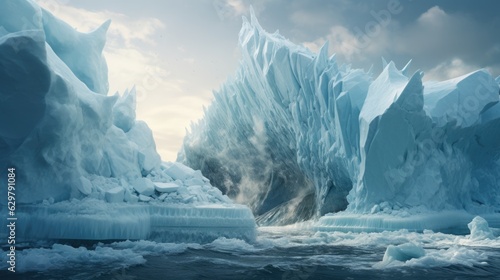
[403,253]
[295,135]
[84,167]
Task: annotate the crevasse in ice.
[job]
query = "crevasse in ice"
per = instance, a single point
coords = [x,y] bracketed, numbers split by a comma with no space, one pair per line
[295,135]
[85,167]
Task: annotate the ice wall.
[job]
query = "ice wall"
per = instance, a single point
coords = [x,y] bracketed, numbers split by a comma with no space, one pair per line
[296,123]
[95,219]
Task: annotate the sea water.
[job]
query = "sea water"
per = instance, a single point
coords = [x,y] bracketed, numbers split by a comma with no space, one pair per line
[278,253]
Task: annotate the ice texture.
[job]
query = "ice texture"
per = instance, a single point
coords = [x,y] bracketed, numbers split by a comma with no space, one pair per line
[479,229]
[116,194]
[166,187]
[57,127]
[292,125]
[403,253]
[85,167]
[95,219]
[449,221]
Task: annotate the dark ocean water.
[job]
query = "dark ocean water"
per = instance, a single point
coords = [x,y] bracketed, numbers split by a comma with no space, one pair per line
[292,263]
[275,255]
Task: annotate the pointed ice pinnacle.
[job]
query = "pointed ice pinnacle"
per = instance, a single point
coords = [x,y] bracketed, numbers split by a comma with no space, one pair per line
[406,68]
[99,34]
[412,98]
[253,20]
[384,63]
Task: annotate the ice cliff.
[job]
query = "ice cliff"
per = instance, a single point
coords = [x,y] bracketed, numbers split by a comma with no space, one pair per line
[295,135]
[85,167]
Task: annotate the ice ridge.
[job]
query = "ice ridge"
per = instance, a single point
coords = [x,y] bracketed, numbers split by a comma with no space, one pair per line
[292,124]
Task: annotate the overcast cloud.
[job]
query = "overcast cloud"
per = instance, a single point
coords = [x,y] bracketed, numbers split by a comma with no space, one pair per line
[176,52]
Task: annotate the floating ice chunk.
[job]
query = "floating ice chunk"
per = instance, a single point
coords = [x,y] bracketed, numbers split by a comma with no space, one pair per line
[144,186]
[403,253]
[115,195]
[413,255]
[144,198]
[479,229]
[166,187]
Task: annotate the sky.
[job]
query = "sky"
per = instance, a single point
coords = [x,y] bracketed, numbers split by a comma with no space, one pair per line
[176,52]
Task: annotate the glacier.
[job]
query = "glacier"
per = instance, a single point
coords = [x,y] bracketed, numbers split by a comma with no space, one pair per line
[295,135]
[85,168]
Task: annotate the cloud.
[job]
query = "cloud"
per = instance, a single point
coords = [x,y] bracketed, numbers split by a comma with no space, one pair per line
[124,30]
[230,9]
[435,16]
[307,18]
[446,44]
[350,47]
[441,43]
[235,9]
[341,42]
[449,69]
